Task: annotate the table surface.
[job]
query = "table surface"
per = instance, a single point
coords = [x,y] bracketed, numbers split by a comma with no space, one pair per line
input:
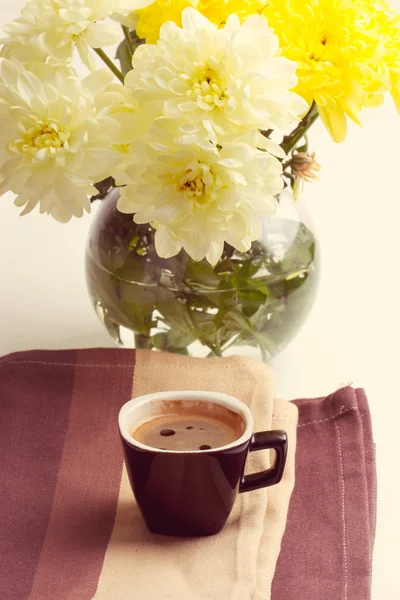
[352,335]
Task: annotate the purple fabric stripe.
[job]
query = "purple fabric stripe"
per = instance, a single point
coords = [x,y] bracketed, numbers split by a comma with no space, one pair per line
[34,409]
[370,458]
[86,496]
[355,506]
[327,546]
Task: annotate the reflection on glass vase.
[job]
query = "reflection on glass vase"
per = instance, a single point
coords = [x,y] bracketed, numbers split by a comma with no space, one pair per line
[250,303]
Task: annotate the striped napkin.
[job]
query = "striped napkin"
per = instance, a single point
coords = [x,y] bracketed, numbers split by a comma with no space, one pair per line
[69,529]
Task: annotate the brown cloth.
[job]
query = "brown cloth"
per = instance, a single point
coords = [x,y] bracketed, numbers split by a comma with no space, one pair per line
[327,548]
[63,506]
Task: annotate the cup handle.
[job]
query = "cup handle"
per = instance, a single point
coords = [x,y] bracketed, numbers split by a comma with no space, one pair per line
[267,440]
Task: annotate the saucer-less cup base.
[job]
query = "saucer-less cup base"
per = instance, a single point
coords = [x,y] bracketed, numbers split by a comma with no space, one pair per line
[192,493]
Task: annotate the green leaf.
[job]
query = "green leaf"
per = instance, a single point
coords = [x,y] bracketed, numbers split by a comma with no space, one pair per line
[249,268]
[261,319]
[168,341]
[173,312]
[112,328]
[202,301]
[137,302]
[248,341]
[136,41]
[251,300]
[290,248]
[124,52]
[226,304]
[105,289]
[224,299]
[204,323]
[160,340]
[224,267]
[124,57]
[138,270]
[201,275]
[180,339]
[303,147]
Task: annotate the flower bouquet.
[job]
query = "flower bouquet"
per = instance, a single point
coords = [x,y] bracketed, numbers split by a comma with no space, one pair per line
[189,137]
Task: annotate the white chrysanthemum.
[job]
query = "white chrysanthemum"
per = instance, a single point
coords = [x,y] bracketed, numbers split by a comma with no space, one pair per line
[55,27]
[56,136]
[228,79]
[198,196]
[23,54]
[125,11]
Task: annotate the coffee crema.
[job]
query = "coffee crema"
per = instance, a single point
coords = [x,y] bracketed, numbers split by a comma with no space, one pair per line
[187,426]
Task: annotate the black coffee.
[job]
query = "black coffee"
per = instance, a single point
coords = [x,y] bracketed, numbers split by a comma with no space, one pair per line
[194,427]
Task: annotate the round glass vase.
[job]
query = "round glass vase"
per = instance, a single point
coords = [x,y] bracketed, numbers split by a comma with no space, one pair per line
[250,303]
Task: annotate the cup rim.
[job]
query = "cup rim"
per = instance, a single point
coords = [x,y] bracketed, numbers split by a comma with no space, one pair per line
[230,402]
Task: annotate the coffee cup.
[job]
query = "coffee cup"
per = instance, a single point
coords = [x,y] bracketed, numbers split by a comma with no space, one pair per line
[184,487]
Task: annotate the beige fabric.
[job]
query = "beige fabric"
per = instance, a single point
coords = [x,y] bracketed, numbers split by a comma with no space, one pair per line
[237,564]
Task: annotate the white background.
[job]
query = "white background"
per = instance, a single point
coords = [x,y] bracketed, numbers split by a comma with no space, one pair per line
[353,334]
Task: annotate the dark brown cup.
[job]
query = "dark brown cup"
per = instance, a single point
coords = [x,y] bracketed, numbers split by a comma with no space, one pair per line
[192,493]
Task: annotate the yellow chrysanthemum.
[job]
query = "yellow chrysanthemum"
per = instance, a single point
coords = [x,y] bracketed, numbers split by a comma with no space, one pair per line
[217,11]
[348,54]
[387,22]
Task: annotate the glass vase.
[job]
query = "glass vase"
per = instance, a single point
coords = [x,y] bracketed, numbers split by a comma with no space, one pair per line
[250,303]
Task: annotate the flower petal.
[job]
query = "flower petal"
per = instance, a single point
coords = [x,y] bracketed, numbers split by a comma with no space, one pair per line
[334,120]
[98,35]
[166,244]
